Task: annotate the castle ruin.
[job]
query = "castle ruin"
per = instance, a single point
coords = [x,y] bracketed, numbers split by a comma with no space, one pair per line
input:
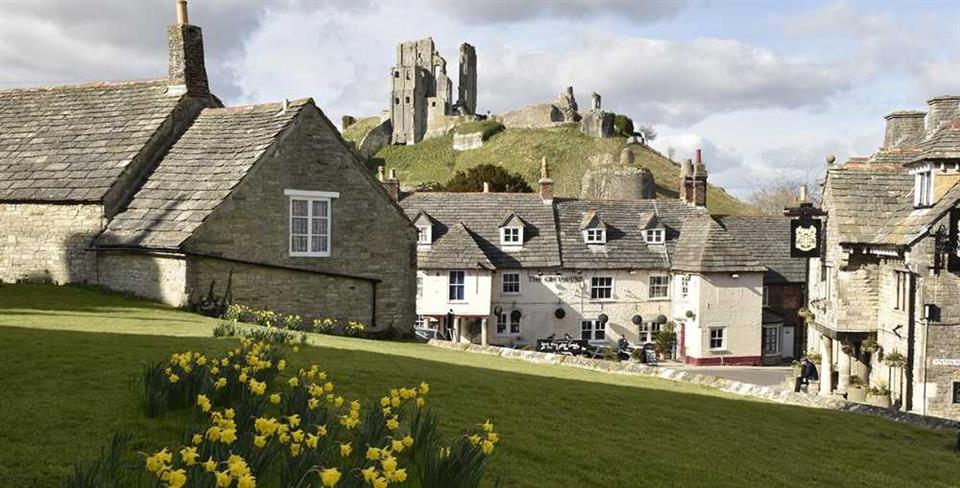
[421,101]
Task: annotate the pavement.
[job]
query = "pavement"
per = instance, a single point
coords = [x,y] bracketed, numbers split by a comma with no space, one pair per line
[755,375]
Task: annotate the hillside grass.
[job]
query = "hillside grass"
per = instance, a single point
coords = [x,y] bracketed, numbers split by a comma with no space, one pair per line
[359,129]
[519,150]
[65,392]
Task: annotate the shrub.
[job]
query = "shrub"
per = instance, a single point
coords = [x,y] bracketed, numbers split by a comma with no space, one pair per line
[665,338]
[500,180]
[622,125]
[880,389]
[895,359]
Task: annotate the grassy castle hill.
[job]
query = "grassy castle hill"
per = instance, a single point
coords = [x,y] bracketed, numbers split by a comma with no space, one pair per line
[519,150]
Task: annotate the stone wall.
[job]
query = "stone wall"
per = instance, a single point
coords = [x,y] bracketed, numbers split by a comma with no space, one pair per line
[539,116]
[376,139]
[158,277]
[597,123]
[370,236]
[464,142]
[283,290]
[48,242]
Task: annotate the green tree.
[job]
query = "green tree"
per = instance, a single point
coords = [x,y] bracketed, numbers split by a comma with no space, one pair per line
[500,180]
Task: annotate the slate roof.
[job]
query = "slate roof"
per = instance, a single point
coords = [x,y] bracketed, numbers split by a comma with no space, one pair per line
[706,246]
[198,173]
[909,224]
[767,238]
[481,213]
[862,200]
[459,248]
[625,247]
[72,143]
[942,144]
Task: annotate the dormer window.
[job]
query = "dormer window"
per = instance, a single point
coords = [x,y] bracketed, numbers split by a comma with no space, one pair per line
[595,236]
[511,236]
[424,235]
[923,189]
[655,236]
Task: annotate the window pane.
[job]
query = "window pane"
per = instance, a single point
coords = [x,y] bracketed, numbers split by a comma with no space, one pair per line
[320,208]
[299,208]
[320,227]
[298,244]
[318,244]
[298,225]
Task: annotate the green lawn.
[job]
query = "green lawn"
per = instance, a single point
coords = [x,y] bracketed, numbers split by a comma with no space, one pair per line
[65,391]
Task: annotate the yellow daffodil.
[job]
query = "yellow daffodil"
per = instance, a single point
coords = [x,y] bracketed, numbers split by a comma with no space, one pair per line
[220,383]
[487,447]
[330,477]
[223,479]
[189,455]
[295,449]
[373,453]
[243,378]
[177,478]
[338,401]
[275,398]
[421,402]
[321,430]
[380,483]
[385,401]
[424,388]
[259,441]
[297,435]
[246,481]
[238,467]
[210,465]
[395,401]
[203,402]
[493,437]
[294,381]
[399,475]
[294,420]
[389,464]
[283,437]
[487,426]
[196,440]
[407,440]
[281,365]
[474,439]
[173,378]
[369,474]
[296,349]
[396,445]
[213,433]
[328,387]
[393,423]
[313,403]
[228,436]
[345,449]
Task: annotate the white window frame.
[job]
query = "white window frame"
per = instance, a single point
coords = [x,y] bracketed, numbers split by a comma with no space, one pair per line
[595,236]
[664,286]
[903,290]
[310,197]
[723,338]
[462,285]
[656,236]
[594,286]
[503,283]
[511,236]
[648,332]
[506,326]
[419,286]
[766,296]
[594,328]
[424,235]
[923,188]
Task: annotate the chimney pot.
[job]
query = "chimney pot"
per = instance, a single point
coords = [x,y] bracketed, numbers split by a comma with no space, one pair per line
[182,17]
[901,127]
[380,173]
[699,159]
[803,193]
[546,183]
[941,110]
[486,187]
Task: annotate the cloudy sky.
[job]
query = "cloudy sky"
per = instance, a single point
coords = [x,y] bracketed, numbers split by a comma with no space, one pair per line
[766,88]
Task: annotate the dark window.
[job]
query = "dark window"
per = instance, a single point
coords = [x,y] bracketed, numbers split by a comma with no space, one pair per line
[407,99]
[396,74]
[592,330]
[601,288]
[956,392]
[456,285]
[396,101]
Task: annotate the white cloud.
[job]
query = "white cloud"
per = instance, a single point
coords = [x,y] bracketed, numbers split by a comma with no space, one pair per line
[505,11]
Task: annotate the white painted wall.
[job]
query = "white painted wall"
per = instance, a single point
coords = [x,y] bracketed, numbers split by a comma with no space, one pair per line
[720,300]
[433,297]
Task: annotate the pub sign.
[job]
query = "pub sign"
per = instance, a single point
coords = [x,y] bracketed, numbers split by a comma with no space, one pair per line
[805,238]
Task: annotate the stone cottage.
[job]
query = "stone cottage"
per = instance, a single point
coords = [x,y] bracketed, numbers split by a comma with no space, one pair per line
[885,296]
[155,189]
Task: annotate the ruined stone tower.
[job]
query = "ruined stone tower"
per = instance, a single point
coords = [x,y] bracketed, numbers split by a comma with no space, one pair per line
[693,181]
[422,93]
[467,87]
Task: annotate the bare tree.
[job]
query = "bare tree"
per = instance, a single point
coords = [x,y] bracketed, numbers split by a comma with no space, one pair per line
[773,198]
[649,135]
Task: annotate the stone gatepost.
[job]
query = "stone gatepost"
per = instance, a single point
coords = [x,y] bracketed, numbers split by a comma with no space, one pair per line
[456,329]
[484,341]
[826,365]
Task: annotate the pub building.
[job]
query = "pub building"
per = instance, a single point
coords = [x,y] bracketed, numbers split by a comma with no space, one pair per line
[510,269]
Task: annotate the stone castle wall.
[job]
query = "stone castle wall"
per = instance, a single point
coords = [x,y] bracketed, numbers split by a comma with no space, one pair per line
[48,242]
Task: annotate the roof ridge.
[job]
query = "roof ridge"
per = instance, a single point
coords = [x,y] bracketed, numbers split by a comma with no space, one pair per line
[254,107]
[88,84]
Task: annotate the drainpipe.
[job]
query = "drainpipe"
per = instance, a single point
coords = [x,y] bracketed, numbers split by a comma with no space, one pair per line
[911,338]
[373,306]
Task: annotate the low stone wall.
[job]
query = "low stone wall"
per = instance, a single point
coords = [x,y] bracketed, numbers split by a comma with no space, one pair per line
[463,142]
[157,277]
[774,394]
[43,242]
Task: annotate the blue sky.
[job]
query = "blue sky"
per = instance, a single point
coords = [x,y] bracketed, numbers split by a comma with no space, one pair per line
[767,89]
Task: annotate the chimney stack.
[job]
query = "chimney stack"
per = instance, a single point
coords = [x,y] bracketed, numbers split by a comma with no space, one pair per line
[391,184]
[941,110]
[902,126]
[693,181]
[546,183]
[486,187]
[186,66]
